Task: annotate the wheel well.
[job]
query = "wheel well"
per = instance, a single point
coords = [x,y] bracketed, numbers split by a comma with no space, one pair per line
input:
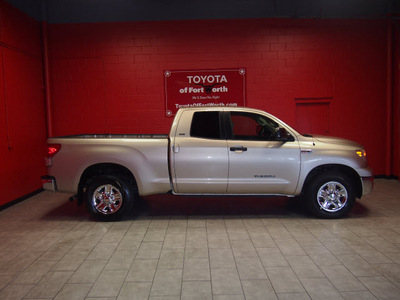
[103,169]
[347,171]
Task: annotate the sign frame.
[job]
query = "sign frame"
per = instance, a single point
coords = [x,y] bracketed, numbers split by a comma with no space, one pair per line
[204,88]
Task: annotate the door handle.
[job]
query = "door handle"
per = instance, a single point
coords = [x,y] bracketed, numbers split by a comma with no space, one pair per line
[176,148]
[238,149]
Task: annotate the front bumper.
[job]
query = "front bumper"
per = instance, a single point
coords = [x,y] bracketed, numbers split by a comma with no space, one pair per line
[49,183]
[368,184]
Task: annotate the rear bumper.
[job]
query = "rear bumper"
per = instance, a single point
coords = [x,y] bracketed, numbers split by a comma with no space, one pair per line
[368,184]
[49,183]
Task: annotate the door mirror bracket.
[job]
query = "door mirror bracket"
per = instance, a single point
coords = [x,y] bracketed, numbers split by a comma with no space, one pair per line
[282,135]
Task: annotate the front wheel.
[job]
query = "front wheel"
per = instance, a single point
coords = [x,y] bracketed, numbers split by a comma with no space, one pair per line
[109,198]
[330,195]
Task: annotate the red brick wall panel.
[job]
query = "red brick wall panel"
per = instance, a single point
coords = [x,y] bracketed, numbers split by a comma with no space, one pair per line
[22,114]
[19,30]
[285,60]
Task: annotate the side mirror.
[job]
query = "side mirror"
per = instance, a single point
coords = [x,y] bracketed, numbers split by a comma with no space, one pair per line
[283,135]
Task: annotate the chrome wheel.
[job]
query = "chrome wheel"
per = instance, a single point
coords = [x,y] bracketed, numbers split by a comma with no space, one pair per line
[107,199]
[332,196]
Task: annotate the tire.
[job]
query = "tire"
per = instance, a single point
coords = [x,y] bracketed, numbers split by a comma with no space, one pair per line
[330,195]
[109,198]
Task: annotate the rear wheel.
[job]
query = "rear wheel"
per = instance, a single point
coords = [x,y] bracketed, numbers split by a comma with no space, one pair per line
[109,198]
[330,195]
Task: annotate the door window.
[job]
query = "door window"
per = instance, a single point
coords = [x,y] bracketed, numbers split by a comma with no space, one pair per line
[254,127]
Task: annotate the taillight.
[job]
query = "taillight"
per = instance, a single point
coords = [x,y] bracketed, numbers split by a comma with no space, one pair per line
[52,149]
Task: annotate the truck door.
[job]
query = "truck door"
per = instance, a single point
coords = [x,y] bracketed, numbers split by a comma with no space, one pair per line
[263,157]
[199,154]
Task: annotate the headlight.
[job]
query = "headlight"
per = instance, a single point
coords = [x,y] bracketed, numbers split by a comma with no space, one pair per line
[361,153]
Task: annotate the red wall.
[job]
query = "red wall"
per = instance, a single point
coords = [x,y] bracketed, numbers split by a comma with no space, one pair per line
[22,117]
[396,99]
[108,77]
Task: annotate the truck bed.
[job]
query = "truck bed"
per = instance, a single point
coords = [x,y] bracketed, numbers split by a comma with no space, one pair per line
[115,136]
[144,155]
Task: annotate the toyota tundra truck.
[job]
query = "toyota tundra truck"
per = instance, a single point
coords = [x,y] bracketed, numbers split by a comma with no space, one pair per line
[210,151]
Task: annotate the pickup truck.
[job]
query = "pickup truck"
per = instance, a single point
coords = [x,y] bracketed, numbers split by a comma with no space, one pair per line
[210,151]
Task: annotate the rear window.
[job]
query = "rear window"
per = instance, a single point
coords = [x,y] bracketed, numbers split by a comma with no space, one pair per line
[206,125]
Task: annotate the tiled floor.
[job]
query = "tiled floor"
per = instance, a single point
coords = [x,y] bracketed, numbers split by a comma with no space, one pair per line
[50,248]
